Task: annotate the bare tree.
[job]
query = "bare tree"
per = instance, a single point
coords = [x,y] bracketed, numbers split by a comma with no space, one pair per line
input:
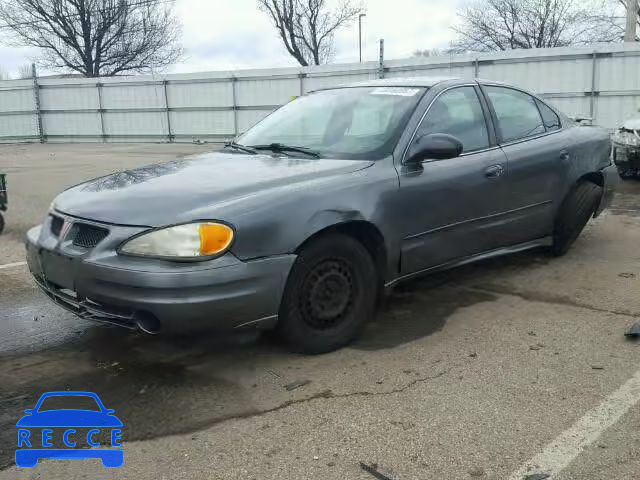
[624,4]
[25,71]
[95,37]
[487,25]
[307,27]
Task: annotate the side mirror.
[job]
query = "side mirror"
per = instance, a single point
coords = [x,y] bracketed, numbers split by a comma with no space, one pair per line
[29,411]
[434,146]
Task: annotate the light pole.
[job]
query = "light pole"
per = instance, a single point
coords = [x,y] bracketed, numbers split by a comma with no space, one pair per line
[360,34]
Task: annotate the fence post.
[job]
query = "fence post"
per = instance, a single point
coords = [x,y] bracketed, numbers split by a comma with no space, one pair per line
[101,112]
[594,92]
[301,77]
[234,80]
[476,71]
[166,108]
[381,61]
[36,96]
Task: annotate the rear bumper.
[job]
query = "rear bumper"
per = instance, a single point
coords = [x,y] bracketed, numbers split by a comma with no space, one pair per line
[224,293]
[611,179]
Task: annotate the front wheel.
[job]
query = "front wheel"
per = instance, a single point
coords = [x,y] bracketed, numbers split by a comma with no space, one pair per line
[330,293]
[573,215]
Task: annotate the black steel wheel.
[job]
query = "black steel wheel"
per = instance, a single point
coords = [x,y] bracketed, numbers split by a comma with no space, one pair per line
[330,293]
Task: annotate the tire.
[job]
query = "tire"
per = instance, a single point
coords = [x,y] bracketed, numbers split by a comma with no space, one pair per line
[574,213]
[1,223]
[330,293]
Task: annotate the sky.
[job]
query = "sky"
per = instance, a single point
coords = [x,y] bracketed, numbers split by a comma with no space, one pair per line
[234,34]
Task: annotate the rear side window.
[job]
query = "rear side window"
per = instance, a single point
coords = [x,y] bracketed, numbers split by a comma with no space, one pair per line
[549,117]
[518,115]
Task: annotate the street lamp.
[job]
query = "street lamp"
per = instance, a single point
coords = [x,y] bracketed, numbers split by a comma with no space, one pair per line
[360,33]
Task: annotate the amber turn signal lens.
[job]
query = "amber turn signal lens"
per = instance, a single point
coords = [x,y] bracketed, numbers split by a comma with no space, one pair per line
[214,238]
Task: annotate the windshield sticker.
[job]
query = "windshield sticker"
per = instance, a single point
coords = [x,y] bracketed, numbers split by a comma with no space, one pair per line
[403,92]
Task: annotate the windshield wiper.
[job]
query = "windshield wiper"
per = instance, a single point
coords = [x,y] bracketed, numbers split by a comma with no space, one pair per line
[241,148]
[281,147]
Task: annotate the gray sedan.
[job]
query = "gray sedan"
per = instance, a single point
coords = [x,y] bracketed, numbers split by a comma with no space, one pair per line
[305,219]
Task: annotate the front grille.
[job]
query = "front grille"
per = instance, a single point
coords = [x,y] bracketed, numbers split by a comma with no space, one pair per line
[56,225]
[87,236]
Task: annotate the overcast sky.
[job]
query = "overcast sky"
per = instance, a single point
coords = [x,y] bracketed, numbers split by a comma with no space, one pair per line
[230,34]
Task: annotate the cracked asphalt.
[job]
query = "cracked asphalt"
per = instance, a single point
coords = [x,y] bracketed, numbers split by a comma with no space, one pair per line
[464,374]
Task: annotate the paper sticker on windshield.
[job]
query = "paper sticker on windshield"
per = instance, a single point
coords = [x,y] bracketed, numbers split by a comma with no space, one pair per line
[401,91]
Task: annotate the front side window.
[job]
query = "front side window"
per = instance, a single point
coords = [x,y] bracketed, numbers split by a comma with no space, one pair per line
[549,117]
[349,123]
[458,112]
[518,116]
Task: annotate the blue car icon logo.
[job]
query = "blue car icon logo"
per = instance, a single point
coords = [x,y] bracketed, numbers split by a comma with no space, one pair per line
[97,418]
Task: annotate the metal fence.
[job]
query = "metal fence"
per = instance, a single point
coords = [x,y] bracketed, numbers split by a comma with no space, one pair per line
[602,82]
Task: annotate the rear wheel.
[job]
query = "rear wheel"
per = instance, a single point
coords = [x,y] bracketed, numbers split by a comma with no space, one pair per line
[1,223]
[330,293]
[574,213]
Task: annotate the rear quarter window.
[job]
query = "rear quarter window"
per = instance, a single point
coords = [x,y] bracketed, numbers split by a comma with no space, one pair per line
[549,117]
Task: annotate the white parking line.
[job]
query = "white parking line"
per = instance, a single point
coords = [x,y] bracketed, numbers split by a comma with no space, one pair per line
[12,265]
[569,444]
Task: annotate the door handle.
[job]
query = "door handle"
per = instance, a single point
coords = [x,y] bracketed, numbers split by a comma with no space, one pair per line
[564,155]
[494,171]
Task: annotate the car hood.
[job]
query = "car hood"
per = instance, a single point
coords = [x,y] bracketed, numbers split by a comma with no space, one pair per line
[632,124]
[165,193]
[69,418]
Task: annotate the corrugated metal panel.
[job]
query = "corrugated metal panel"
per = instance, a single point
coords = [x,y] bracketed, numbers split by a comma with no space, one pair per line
[16,101]
[136,96]
[618,73]
[267,92]
[542,77]
[218,94]
[202,104]
[432,71]
[136,123]
[18,125]
[68,98]
[613,111]
[315,83]
[71,124]
[202,123]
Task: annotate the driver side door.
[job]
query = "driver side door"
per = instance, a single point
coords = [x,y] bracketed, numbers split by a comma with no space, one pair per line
[452,207]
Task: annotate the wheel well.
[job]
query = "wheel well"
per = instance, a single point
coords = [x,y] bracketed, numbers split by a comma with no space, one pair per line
[364,232]
[594,177]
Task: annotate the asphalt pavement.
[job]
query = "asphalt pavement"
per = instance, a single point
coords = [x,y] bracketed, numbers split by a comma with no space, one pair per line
[513,366]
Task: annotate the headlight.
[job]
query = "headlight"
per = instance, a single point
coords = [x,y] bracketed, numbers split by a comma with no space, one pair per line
[189,241]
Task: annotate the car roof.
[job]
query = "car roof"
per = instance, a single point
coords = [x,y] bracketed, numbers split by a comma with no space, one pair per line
[403,82]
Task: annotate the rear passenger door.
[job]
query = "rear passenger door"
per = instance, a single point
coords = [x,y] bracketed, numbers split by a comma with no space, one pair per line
[531,135]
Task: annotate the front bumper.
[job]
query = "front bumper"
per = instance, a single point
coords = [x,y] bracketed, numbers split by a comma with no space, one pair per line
[626,157]
[98,284]
[611,180]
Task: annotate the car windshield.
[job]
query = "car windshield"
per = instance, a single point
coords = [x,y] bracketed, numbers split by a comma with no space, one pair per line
[69,402]
[349,123]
